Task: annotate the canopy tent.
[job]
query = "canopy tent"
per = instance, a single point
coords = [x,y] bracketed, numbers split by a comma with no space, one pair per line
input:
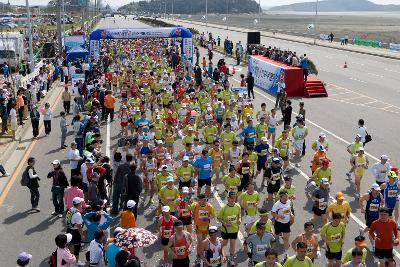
[77,52]
[118,33]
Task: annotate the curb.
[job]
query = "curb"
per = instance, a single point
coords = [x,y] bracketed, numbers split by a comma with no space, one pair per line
[270,35]
[12,146]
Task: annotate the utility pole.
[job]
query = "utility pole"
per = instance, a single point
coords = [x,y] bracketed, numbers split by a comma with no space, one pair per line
[31,59]
[206,13]
[165,9]
[316,23]
[259,11]
[59,39]
[227,13]
[172,8]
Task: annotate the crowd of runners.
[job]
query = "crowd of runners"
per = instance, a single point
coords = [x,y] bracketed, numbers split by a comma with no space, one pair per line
[184,139]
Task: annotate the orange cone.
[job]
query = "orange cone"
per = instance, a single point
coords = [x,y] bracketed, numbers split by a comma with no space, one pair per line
[345,65]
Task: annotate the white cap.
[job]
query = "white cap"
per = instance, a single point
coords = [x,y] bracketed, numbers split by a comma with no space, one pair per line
[322,134]
[185,158]
[163,167]
[264,139]
[165,209]
[77,200]
[130,204]
[184,105]
[358,135]
[325,180]
[168,156]
[360,149]
[69,237]
[375,186]
[190,128]
[159,142]
[56,162]
[118,230]
[169,179]
[385,157]
[185,189]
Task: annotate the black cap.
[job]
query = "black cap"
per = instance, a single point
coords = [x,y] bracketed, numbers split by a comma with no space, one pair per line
[201,196]
[232,194]
[287,178]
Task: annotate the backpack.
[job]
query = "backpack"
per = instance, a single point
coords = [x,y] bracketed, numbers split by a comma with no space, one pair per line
[68,218]
[25,178]
[53,259]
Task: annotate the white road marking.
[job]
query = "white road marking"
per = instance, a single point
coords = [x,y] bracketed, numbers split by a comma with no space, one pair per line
[340,93]
[370,102]
[354,217]
[395,71]
[357,80]
[376,75]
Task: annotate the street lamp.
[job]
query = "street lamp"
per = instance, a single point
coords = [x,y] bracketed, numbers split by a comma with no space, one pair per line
[315,22]
[206,13]
[32,62]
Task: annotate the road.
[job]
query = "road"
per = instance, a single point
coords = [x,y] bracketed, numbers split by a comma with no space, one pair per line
[23,230]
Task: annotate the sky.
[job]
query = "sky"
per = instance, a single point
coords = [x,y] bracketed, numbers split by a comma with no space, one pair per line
[116,3]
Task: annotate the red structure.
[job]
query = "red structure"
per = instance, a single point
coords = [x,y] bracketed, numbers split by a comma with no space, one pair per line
[263,69]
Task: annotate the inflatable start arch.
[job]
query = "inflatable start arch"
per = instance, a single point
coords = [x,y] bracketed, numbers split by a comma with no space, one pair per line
[134,33]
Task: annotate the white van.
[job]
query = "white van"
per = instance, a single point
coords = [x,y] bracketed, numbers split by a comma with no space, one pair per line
[11,49]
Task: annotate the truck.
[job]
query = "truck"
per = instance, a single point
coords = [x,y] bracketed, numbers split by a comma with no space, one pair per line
[11,49]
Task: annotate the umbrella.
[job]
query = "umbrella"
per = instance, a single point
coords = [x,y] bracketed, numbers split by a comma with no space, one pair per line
[135,238]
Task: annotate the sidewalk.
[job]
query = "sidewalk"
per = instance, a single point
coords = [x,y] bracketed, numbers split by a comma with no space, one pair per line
[379,52]
[8,146]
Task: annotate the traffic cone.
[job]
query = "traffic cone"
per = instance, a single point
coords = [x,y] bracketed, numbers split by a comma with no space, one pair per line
[233,71]
[345,65]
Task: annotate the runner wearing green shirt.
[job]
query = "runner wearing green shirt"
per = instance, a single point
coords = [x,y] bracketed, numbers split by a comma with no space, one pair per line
[229,216]
[352,149]
[231,181]
[333,234]
[263,213]
[169,194]
[227,137]
[271,259]
[300,259]
[283,144]
[249,201]
[185,173]
[359,242]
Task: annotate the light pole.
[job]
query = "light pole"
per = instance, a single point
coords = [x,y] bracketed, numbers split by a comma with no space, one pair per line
[316,22]
[227,13]
[259,11]
[172,10]
[206,13]
[31,59]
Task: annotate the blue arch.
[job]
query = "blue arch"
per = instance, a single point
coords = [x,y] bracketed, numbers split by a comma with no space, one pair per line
[132,33]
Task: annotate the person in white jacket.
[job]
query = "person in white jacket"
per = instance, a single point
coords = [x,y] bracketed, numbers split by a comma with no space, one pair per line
[96,250]
[380,169]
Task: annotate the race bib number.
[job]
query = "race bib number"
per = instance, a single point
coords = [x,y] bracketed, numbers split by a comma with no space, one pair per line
[207,167]
[180,251]
[167,233]
[286,212]
[252,135]
[276,176]
[261,249]
[186,174]
[231,218]
[215,261]
[245,170]
[373,207]
[227,141]
[322,205]
[336,237]
[251,203]
[264,152]
[310,250]
[392,193]
[203,214]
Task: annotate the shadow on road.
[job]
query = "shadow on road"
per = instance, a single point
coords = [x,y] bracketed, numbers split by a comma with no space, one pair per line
[43,226]
[16,217]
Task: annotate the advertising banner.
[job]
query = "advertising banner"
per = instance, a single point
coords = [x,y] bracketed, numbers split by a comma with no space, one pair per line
[141,33]
[187,48]
[364,42]
[266,75]
[394,47]
[94,51]
[75,40]
[75,78]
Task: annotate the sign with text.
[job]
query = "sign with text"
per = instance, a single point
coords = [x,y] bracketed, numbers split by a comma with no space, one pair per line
[266,75]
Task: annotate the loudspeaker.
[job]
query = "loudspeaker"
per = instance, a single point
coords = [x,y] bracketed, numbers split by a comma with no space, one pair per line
[253,38]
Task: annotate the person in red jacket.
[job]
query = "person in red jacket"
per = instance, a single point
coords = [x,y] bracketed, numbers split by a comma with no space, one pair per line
[382,232]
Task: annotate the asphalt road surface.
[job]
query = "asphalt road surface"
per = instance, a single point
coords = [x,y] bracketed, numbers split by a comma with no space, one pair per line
[23,230]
